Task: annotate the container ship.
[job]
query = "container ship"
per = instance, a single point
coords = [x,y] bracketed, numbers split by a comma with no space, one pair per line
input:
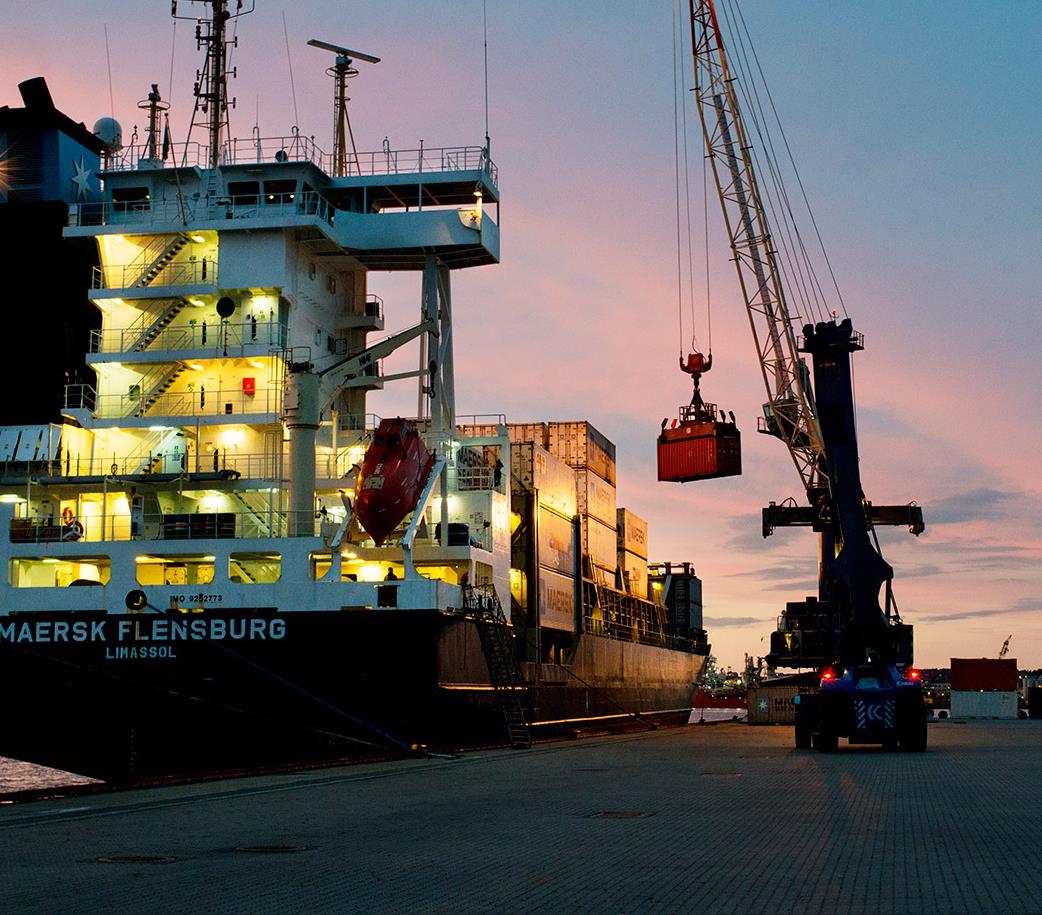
[217,557]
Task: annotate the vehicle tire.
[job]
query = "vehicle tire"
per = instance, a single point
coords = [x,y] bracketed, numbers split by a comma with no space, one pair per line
[806,720]
[911,721]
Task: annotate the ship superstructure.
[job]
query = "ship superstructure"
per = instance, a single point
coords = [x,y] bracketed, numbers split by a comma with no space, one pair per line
[224,557]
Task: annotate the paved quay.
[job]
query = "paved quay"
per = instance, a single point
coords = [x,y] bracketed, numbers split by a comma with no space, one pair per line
[717,819]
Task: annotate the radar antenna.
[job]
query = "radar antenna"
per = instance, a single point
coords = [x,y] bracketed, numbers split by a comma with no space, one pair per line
[341,72]
[211,83]
[155,106]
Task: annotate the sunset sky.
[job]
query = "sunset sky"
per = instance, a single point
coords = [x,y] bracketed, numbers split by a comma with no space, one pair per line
[916,127]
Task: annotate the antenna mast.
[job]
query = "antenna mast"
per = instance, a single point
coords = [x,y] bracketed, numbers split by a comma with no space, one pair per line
[211,83]
[342,71]
[155,106]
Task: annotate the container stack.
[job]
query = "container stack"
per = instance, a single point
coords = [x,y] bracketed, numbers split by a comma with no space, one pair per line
[592,456]
[632,552]
[550,483]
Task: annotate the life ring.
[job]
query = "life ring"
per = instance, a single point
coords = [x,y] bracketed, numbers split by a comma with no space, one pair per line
[72,531]
[67,516]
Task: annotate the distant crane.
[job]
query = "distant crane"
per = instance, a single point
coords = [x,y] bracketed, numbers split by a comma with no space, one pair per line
[1005,646]
[341,72]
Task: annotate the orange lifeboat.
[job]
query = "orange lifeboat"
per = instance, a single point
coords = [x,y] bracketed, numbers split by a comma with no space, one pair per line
[393,473]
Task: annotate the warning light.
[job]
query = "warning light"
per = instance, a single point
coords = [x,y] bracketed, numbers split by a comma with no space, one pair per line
[828,675]
[913,674]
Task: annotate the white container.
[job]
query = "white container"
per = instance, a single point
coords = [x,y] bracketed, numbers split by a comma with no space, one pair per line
[634,574]
[556,600]
[556,541]
[983,704]
[598,542]
[533,467]
[581,445]
[633,533]
[595,497]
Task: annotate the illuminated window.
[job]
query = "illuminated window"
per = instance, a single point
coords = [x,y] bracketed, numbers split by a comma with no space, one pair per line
[254,568]
[180,569]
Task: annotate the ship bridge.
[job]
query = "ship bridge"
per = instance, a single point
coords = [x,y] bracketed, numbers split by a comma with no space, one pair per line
[389,211]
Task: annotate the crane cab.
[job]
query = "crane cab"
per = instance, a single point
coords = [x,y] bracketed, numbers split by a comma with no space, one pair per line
[701,444]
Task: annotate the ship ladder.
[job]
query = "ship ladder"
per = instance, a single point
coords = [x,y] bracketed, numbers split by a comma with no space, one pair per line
[497,644]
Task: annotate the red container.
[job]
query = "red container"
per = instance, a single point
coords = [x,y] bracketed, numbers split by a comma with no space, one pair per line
[699,451]
[249,386]
[988,674]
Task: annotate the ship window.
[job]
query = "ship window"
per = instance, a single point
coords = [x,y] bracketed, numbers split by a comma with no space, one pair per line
[125,199]
[179,569]
[280,191]
[244,193]
[254,568]
[51,572]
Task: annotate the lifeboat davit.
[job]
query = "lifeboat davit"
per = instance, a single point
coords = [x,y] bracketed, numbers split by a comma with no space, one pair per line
[394,470]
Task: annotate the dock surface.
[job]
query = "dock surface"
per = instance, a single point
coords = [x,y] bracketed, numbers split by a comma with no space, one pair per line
[717,819]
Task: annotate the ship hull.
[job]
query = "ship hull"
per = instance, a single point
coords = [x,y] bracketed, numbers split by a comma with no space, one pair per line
[138,701]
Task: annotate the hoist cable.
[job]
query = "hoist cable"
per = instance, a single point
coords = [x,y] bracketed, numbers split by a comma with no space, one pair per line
[687,189]
[676,173]
[795,170]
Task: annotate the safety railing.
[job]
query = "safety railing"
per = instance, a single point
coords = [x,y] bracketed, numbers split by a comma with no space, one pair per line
[197,335]
[170,526]
[200,402]
[297,148]
[176,273]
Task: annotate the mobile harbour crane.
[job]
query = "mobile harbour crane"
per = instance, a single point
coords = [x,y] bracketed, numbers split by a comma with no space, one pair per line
[868,692]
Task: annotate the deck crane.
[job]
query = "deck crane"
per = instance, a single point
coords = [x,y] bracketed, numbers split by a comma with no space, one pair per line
[868,690]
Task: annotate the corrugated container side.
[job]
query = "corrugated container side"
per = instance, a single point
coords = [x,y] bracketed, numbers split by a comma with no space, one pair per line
[698,458]
[581,445]
[594,497]
[598,542]
[556,600]
[556,542]
[983,704]
[533,467]
[773,704]
[633,532]
[635,572]
[984,673]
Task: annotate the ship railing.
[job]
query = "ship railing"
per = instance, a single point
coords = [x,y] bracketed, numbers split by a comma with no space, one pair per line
[167,526]
[352,423]
[228,464]
[176,273]
[80,397]
[198,336]
[295,148]
[476,479]
[200,402]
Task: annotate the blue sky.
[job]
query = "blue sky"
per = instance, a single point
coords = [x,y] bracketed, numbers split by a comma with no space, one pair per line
[916,130]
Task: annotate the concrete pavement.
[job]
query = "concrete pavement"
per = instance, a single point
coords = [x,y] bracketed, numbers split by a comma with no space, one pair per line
[719,819]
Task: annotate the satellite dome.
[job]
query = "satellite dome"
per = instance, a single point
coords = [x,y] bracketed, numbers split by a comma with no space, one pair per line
[109,132]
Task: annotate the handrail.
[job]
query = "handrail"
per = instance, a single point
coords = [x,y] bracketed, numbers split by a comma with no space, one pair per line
[200,402]
[176,273]
[192,336]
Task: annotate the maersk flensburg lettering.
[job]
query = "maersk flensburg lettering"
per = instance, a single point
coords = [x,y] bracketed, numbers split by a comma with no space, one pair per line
[144,630]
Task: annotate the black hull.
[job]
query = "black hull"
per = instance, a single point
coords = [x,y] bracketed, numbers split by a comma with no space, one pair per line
[330,686]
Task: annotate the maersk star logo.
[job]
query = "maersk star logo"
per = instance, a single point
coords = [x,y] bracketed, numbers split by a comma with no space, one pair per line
[81,179]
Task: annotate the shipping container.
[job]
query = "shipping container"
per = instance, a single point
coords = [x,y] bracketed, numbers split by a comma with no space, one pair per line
[634,574]
[699,451]
[517,432]
[983,703]
[556,541]
[594,497]
[533,467]
[598,542]
[774,704]
[556,600]
[984,674]
[581,445]
[633,533]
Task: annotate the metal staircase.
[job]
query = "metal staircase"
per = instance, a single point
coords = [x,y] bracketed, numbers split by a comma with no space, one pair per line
[483,606]
[266,521]
[163,380]
[158,264]
[158,325]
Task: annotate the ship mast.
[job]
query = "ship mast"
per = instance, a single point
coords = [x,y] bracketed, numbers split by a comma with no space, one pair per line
[211,83]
